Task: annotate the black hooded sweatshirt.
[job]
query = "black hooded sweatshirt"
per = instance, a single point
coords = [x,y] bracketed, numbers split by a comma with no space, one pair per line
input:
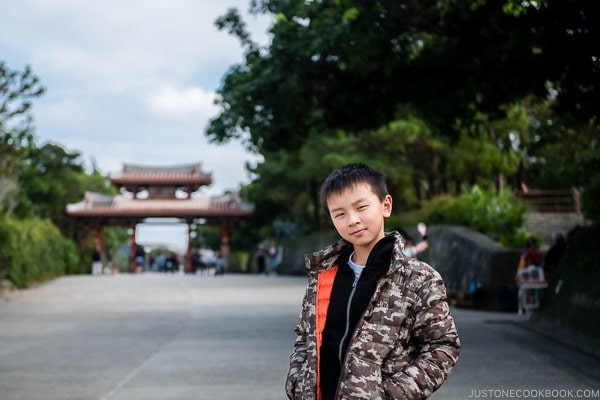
[348,301]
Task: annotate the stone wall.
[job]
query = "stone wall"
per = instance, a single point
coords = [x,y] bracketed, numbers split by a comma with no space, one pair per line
[480,273]
[573,297]
[477,271]
[545,224]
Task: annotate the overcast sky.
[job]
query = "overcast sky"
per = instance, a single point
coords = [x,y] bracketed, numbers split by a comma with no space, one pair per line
[130,81]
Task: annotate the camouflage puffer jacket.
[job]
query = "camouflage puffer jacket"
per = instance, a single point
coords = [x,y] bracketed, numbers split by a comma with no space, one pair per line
[403,347]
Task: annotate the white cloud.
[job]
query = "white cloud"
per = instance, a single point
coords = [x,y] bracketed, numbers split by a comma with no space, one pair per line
[124,44]
[185,103]
[130,81]
[128,75]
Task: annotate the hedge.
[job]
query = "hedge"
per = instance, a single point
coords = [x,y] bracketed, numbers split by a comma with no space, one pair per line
[497,215]
[34,250]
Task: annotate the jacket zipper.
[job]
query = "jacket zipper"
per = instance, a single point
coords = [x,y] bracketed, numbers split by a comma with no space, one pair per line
[376,294]
[347,331]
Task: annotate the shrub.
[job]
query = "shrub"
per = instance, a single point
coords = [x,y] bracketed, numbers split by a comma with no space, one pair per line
[73,264]
[33,250]
[590,199]
[497,215]
[239,261]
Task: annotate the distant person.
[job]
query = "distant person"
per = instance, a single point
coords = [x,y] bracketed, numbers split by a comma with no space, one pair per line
[531,254]
[375,324]
[219,263]
[273,257]
[96,260]
[172,263]
[140,259]
[261,259]
[196,260]
[208,259]
[529,271]
[554,254]
[160,263]
[410,248]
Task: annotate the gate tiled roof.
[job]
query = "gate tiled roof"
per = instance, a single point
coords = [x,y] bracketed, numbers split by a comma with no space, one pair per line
[190,174]
[99,205]
[137,178]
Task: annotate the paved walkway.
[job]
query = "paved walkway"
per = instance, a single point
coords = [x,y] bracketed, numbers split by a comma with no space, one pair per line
[180,337]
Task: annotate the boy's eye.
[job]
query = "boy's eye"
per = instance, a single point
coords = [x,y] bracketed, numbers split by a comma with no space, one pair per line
[338,215]
[360,208]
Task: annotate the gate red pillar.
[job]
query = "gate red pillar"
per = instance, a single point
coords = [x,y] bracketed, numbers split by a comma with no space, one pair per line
[188,253]
[132,251]
[99,238]
[225,248]
[99,243]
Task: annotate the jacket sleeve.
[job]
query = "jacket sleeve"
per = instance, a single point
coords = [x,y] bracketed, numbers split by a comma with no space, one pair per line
[298,357]
[435,337]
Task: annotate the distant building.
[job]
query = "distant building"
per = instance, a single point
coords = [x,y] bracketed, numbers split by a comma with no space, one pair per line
[160,192]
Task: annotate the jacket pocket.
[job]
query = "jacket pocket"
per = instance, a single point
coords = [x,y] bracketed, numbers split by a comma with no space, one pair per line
[361,379]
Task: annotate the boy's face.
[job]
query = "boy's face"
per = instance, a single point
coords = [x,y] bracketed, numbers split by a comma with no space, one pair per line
[358,215]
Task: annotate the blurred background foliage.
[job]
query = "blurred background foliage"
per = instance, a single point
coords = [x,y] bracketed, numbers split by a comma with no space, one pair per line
[460,103]
[498,215]
[443,96]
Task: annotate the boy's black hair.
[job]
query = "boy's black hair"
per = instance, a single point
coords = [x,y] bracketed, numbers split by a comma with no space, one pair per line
[349,176]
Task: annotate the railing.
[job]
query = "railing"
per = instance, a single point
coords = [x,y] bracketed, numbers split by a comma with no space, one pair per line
[561,201]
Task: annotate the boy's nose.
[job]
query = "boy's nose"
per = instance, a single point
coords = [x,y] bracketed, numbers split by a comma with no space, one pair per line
[353,218]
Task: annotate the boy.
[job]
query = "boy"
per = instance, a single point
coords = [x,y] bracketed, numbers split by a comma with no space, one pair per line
[375,323]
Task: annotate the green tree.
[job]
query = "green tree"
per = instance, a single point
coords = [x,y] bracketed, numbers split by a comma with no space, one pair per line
[287,183]
[351,65]
[49,179]
[443,95]
[37,183]
[17,90]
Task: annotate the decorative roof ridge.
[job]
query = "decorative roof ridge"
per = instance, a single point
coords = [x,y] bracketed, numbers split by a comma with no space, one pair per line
[101,205]
[99,197]
[190,167]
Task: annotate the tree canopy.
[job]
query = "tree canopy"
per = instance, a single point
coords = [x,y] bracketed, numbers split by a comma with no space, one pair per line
[356,65]
[36,180]
[17,90]
[441,94]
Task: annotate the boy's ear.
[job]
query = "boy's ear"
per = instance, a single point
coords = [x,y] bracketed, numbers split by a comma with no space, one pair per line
[387,205]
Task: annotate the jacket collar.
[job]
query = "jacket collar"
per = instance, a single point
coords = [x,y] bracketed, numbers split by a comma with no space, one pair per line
[324,259]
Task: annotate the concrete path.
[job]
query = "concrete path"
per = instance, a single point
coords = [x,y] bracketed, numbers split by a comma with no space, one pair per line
[180,337]
[503,356]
